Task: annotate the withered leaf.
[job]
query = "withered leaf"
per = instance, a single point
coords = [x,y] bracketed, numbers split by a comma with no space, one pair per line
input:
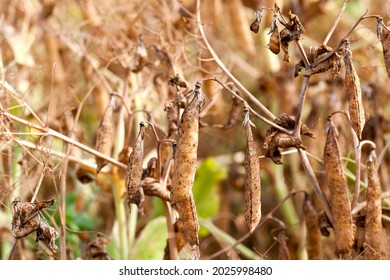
[134,171]
[339,201]
[235,111]
[374,248]
[25,222]
[96,249]
[274,42]
[332,63]
[275,139]
[255,25]
[284,253]
[292,31]
[152,187]
[354,93]
[252,187]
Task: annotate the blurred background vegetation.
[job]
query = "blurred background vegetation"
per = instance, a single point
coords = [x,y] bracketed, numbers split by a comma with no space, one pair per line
[60,60]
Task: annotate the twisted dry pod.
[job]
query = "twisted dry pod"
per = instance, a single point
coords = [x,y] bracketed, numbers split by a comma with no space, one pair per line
[185,159]
[354,93]
[134,171]
[252,187]
[373,223]
[104,135]
[384,36]
[313,233]
[341,206]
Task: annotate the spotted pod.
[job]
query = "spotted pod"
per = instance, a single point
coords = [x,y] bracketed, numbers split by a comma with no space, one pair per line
[384,36]
[373,223]
[252,187]
[313,233]
[134,171]
[340,204]
[104,135]
[185,160]
[354,93]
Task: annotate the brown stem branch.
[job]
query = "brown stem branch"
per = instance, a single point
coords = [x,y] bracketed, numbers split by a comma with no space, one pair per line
[263,108]
[64,138]
[336,22]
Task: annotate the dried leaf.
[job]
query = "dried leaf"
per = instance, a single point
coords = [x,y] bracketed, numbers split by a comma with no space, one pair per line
[104,135]
[331,63]
[96,249]
[152,187]
[292,31]
[46,234]
[324,224]
[185,167]
[374,249]
[181,239]
[274,42]
[252,188]
[275,139]
[384,36]
[354,93]
[24,222]
[255,25]
[339,201]
[235,111]
[134,171]
[284,253]
[313,233]
[140,55]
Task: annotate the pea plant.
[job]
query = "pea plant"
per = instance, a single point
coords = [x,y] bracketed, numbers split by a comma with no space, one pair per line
[194,130]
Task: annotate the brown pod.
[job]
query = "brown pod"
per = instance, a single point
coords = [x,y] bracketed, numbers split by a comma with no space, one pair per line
[104,135]
[340,204]
[373,224]
[255,25]
[134,171]
[354,93]
[313,233]
[252,187]
[185,160]
[274,40]
[384,36]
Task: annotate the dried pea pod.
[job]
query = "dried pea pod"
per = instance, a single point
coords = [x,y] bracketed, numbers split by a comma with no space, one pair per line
[185,160]
[354,93]
[104,135]
[384,36]
[340,204]
[252,187]
[313,233]
[373,224]
[134,171]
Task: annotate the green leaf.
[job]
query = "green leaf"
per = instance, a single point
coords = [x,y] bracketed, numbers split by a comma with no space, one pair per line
[205,191]
[225,240]
[151,242]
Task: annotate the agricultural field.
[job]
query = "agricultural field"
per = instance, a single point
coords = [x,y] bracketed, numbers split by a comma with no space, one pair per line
[214,129]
